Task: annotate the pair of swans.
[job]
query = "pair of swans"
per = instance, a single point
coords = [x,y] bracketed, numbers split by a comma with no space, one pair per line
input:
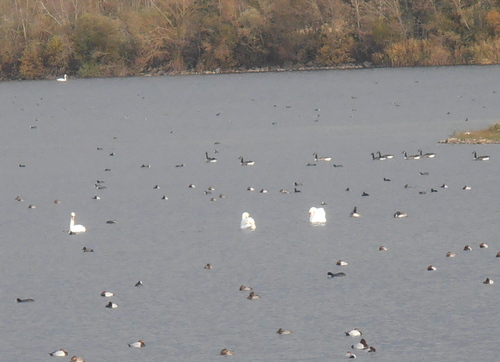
[316,215]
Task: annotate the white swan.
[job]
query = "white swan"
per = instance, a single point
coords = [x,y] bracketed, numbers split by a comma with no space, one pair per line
[73,229]
[63,79]
[317,215]
[247,222]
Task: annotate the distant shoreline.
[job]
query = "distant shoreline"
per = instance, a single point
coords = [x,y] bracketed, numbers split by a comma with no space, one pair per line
[268,69]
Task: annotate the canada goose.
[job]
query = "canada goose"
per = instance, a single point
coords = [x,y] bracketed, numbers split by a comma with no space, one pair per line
[386,156]
[316,158]
[427,155]
[376,158]
[354,212]
[480,158]
[400,214]
[210,159]
[246,163]
[411,157]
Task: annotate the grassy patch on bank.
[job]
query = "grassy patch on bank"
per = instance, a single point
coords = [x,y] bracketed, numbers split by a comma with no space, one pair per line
[482,136]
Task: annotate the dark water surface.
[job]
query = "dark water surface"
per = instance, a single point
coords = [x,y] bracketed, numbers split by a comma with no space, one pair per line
[186,313]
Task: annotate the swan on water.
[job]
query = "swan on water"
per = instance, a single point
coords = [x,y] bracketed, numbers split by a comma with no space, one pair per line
[63,79]
[317,215]
[247,222]
[73,229]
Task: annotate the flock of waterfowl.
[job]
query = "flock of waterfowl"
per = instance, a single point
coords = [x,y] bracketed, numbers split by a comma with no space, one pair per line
[317,215]
[320,214]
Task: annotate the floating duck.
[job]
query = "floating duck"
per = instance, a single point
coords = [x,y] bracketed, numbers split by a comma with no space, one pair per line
[400,214]
[354,333]
[24,300]
[111,305]
[333,275]
[138,344]
[360,345]
[59,353]
[253,296]
[284,331]
[349,354]
[226,352]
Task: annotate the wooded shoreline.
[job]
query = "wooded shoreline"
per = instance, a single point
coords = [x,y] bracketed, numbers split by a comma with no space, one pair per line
[44,39]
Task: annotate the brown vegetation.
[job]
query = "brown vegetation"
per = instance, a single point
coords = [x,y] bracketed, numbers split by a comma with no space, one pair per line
[87,38]
[482,136]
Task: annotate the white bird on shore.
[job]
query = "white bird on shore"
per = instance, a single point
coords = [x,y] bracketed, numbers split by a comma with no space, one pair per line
[63,79]
[247,222]
[73,229]
[317,215]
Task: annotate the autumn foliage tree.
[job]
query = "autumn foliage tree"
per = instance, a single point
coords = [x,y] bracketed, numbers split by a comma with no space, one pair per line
[90,38]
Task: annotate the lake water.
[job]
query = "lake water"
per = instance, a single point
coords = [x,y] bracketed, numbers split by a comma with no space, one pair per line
[184,312]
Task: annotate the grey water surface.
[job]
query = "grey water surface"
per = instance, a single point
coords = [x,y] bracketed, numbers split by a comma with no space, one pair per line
[67,134]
